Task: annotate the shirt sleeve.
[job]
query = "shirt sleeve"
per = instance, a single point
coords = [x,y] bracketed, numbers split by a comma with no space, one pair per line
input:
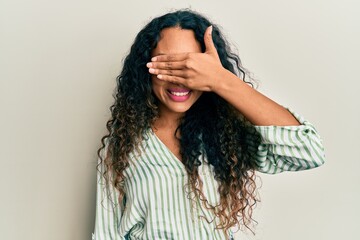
[289,148]
[108,210]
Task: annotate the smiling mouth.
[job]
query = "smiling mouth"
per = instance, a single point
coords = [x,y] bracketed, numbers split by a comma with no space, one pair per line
[179,94]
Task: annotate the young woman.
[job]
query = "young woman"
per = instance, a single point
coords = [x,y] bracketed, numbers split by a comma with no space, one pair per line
[187,134]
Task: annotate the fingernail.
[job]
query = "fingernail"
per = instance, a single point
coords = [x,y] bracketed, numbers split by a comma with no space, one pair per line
[159,76]
[149,65]
[153,59]
[211,28]
[151,70]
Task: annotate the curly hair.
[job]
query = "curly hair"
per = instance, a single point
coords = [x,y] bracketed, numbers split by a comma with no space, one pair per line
[211,128]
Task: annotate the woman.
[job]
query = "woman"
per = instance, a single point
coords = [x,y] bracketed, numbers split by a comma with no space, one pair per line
[187,134]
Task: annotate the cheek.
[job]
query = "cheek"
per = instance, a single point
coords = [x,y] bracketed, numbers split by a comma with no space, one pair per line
[157,85]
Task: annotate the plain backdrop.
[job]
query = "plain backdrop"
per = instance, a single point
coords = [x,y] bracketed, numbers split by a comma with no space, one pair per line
[59,61]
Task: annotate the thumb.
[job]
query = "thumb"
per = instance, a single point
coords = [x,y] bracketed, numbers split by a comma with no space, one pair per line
[209,44]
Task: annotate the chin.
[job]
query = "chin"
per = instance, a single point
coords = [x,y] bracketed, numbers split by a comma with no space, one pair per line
[179,109]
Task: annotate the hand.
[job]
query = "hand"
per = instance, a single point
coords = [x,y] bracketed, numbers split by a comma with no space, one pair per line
[197,71]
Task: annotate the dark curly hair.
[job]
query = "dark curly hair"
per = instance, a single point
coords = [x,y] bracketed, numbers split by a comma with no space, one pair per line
[211,127]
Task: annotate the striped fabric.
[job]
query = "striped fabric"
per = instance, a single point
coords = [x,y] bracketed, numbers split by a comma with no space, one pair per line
[156,204]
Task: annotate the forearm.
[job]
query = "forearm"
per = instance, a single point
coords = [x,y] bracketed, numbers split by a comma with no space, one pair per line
[256,107]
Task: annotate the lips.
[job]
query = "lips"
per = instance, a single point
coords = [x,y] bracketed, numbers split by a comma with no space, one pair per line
[179,94]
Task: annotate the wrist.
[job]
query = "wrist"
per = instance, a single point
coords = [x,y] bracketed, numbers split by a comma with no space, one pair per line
[218,79]
[224,81]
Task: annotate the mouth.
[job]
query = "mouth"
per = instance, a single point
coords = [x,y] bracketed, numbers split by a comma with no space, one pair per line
[179,95]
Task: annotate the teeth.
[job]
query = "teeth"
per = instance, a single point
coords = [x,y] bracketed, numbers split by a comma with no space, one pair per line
[179,93]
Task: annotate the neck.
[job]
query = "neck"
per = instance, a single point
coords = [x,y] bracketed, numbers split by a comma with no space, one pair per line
[168,120]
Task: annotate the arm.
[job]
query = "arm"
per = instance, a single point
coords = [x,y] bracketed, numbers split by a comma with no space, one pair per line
[254,106]
[108,211]
[288,148]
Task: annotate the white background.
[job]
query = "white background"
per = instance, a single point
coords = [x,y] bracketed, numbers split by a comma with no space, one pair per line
[59,61]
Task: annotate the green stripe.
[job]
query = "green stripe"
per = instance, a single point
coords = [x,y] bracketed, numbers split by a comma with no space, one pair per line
[162,188]
[149,178]
[165,161]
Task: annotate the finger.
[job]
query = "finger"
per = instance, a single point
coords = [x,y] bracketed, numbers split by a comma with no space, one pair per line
[209,43]
[172,79]
[177,73]
[170,57]
[166,65]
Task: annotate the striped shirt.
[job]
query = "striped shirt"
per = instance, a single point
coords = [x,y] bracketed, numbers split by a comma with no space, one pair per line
[156,205]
